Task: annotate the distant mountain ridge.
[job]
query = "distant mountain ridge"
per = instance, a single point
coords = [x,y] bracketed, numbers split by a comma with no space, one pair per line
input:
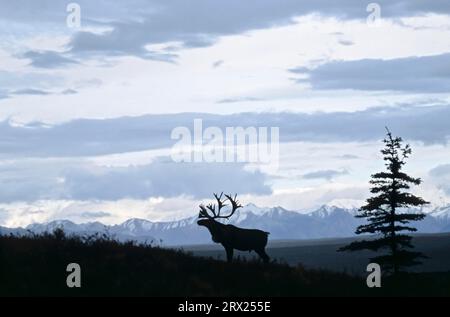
[324,222]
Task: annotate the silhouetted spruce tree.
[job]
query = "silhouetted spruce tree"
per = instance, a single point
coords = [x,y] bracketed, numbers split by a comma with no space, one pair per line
[388,211]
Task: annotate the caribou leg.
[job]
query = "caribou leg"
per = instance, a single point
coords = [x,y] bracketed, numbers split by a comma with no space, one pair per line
[229,254]
[262,253]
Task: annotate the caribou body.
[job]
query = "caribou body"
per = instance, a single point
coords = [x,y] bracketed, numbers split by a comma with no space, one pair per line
[232,237]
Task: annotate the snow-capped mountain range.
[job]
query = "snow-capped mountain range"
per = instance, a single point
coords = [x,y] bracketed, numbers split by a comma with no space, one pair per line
[324,222]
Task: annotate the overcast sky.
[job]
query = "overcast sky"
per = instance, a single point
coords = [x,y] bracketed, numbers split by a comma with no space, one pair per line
[86,113]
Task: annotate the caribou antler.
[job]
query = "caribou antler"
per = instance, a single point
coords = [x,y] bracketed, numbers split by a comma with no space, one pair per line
[203,212]
[235,205]
[220,204]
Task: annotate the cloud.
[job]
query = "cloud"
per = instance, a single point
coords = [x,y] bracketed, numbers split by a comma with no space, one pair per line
[104,11]
[133,25]
[163,178]
[324,174]
[30,91]
[347,157]
[217,64]
[37,92]
[122,41]
[92,137]
[89,83]
[50,179]
[24,80]
[29,212]
[69,92]
[4,215]
[239,99]
[95,214]
[3,95]
[440,170]
[28,83]
[441,176]
[48,59]
[345,42]
[410,74]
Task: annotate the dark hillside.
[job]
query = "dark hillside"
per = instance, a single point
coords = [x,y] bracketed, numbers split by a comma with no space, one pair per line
[37,266]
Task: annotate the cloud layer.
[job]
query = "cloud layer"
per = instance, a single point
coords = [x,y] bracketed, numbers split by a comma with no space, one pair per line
[33,180]
[138,23]
[48,59]
[324,174]
[412,74]
[131,60]
[128,134]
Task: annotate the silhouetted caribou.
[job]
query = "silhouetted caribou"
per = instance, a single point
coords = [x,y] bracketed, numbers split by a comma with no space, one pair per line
[232,237]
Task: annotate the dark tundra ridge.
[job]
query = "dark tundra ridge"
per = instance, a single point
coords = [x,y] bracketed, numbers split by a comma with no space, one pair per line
[37,266]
